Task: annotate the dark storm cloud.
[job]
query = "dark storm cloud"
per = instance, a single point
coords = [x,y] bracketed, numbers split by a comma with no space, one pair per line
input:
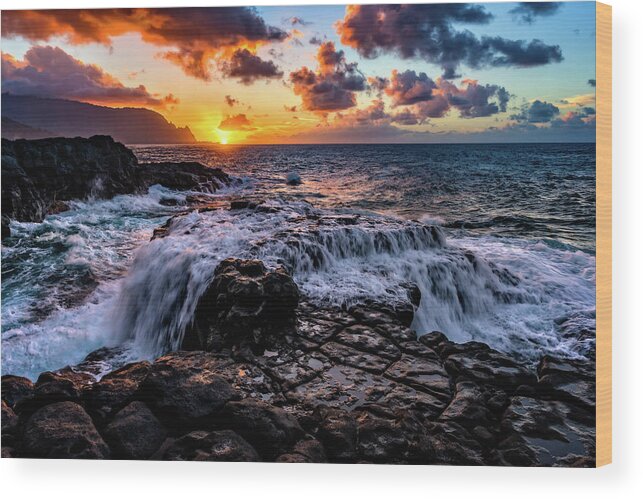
[427,32]
[537,112]
[409,88]
[433,99]
[315,40]
[527,12]
[192,38]
[332,86]
[249,67]
[49,71]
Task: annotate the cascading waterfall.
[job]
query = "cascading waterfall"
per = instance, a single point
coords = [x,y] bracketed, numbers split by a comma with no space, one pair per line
[337,259]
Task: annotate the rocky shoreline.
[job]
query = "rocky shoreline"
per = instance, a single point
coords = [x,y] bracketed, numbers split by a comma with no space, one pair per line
[266,375]
[40,176]
[269,377]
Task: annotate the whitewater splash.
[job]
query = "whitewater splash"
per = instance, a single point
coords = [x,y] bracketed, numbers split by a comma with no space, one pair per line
[520,297]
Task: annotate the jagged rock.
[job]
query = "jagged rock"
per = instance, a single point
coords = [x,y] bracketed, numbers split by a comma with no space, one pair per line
[453,445]
[114,391]
[222,445]
[479,363]
[9,423]
[134,433]
[384,440]
[63,430]
[368,340]
[304,451]
[337,432]
[15,388]
[468,407]
[538,432]
[38,176]
[568,380]
[270,430]
[245,303]
[49,388]
[184,390]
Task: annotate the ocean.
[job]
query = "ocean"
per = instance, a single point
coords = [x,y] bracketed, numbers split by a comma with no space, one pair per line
[500,239]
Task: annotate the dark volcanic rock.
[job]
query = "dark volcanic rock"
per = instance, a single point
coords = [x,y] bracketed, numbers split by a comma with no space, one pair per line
[15,388]
[270,430]
[245,303]
[185,391]
[38,176]
[222,445]
[571,381]
[134,433]
[540,433]
[338,433]
[479,363]
[9,423]
[114,391]
[63,431]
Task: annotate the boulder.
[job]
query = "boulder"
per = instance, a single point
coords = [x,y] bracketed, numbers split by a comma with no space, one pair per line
[337,432]
[63,430]
[224,445]
[15,388]
[245,303]
[270,430]
[184,390]
[134,433]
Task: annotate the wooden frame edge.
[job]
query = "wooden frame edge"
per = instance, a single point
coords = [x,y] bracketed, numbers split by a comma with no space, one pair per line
[603,234]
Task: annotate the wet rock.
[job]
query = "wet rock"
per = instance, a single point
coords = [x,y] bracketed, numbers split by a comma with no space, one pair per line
[246,303]
[49,388]
[368,340]
[304,451]
[134,433]
[538,432]
[184,390]
[571,381]
[468,407]
[337,432]
[224,445]
[485,366]
[349,356]
[15,388]
[270,430]
[452,444]
[399,440]
[114,391]
[425,374]
[9,423]
[63,430]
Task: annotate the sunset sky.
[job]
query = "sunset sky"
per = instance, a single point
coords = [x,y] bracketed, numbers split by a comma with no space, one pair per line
[380,73]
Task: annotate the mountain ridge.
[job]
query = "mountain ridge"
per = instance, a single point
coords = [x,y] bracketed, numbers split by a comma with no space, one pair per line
[68,118]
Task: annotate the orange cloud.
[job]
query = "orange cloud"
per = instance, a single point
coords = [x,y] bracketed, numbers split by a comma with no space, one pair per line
[192,38]
[236,123]
[332,87]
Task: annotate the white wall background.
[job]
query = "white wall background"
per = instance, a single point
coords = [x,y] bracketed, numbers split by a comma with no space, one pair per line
[98,480]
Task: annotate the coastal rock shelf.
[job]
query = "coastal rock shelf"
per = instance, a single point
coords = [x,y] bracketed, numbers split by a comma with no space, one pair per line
[327,385]
[40,176]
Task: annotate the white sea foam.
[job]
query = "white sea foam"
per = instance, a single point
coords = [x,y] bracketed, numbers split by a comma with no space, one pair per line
[511,294]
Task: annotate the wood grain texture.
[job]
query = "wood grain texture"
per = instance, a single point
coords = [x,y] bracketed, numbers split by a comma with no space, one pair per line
[603,234]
